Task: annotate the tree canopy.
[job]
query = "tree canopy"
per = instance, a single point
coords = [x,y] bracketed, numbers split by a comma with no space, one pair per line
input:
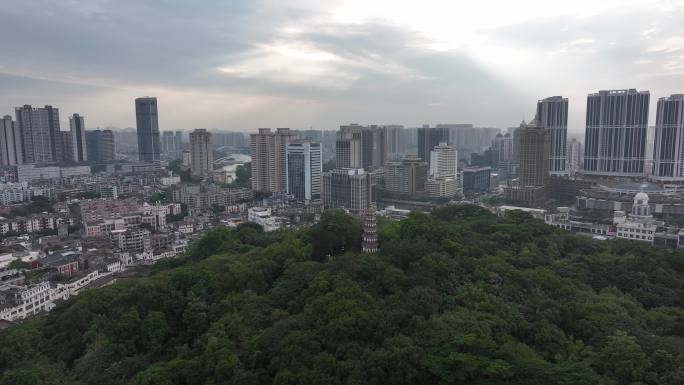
[458,296]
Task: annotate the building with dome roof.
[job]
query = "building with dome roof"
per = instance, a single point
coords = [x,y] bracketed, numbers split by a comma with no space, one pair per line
[639,225]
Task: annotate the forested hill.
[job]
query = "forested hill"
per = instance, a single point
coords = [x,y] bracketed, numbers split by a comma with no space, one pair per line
[455,297]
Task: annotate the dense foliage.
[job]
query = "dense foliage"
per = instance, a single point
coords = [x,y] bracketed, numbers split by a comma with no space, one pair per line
[455,297]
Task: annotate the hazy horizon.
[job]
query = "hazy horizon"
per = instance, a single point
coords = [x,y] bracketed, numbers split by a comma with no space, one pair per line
[320,64]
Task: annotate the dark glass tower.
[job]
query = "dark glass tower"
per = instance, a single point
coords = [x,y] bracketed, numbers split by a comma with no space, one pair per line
[552,114]
[615,140]
[668,154]
[147,121]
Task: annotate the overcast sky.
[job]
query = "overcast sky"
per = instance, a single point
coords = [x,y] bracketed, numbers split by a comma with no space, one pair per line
[243,64]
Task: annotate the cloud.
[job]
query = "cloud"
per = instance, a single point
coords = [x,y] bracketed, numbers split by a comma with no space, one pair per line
[242,64]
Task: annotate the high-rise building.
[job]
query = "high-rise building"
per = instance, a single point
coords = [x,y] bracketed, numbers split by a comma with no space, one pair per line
[350,189]
[668,152]
[40,133]
[269,161]
[304,169]
[11,152]
[443,172]
[168,145]
[395,141]
[615,139]
[100,145]
[443,161]
[66,143]
[552,114]
[406,176]
[361,147]
[575,153]
[428,138]
[201,153]
[179,143]
[78,139]
[502,152]
[466,138]
[535,143]
[147,120]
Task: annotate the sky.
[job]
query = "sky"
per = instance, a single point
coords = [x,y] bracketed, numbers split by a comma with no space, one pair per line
[244,64]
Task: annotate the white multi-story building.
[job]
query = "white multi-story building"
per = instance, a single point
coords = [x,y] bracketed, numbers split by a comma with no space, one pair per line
[170,180]
[668,152]
[262,216]
[441,187]
[443,161]
[19,302]
[640,224]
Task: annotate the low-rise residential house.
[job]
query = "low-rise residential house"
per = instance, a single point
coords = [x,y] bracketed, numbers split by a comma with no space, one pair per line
[66,263]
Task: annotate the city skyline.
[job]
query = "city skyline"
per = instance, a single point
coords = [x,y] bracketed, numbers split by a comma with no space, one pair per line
[320,64]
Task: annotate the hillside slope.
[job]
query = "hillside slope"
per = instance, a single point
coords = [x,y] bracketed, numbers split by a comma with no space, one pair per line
[455,297]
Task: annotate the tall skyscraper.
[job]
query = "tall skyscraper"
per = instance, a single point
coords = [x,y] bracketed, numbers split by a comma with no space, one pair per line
[615,139]
[147,120]
[428,138]
[168,144]
[466,138]
[78,138]
[575,153]
[668,152]
[348,148]
[395,141]
[304,169]
[100,145]
[443,161]
[201,153]
[178,142]
[361,147]
[66,144]
[502,152]
[443,173]
[11,152]
[552,114]
[269,161]
[40,133]
[350,189]
[406,176]
[535,144]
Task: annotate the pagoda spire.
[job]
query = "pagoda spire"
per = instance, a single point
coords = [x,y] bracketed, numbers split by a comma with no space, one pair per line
[370,231]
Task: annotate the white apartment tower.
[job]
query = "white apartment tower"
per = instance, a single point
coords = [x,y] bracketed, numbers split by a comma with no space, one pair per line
[443,161]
